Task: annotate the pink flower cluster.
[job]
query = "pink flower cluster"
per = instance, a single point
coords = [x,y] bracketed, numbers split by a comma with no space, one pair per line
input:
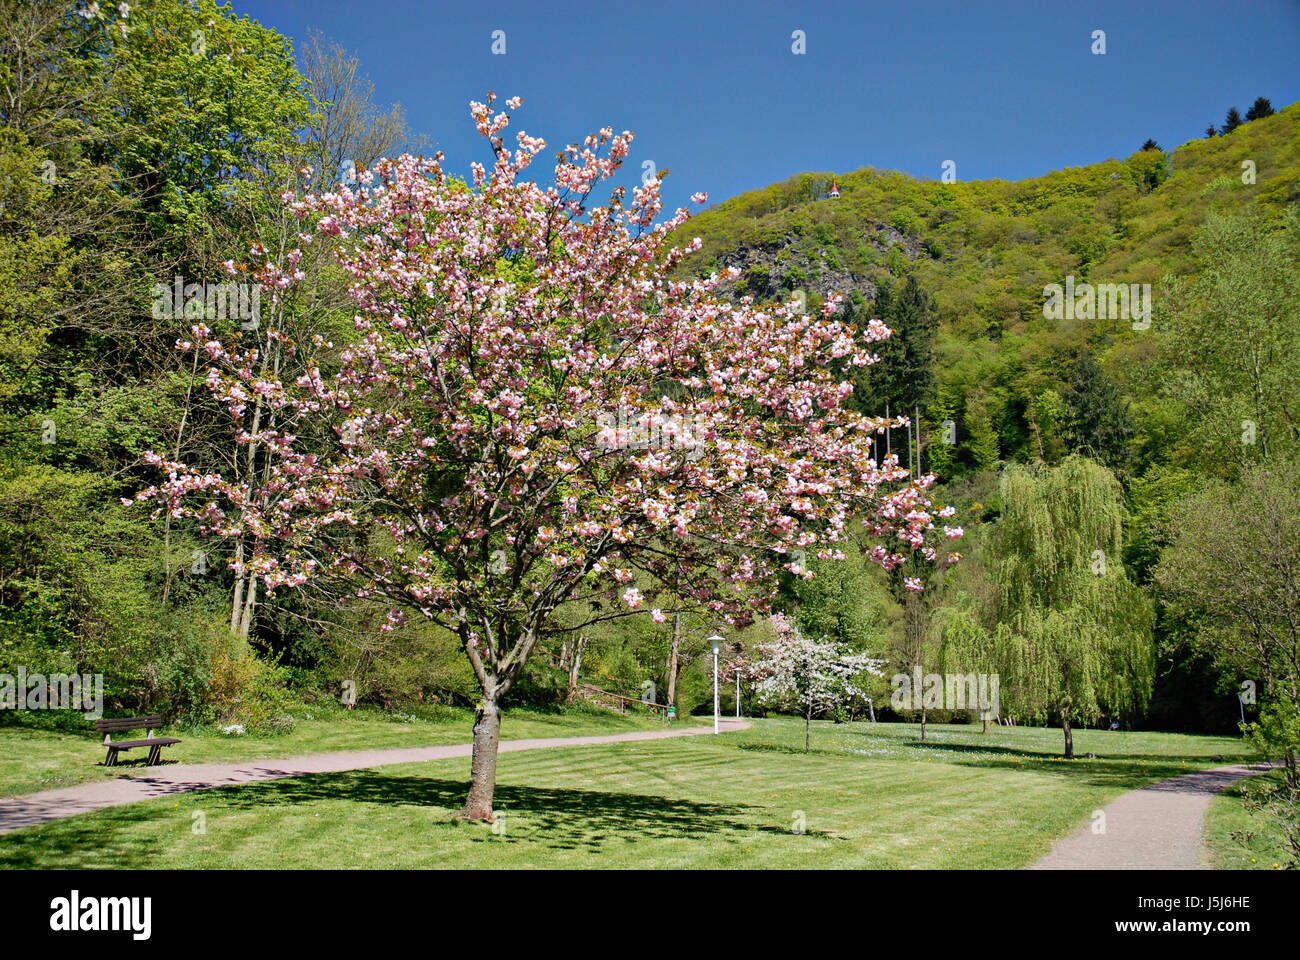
[459,425]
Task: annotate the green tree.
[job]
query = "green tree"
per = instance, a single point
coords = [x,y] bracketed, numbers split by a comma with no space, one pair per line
[843,601]
[1097,419]
[965,645]
[1259,109]
[904,377]
[1231,339]
[1074,635]
[137,142]
[1231,576]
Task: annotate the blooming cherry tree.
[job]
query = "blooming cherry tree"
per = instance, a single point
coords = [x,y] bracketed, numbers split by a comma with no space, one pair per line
[814,675]
[456,458]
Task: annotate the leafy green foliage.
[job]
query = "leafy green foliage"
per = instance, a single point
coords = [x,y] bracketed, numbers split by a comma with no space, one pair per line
[1074,634]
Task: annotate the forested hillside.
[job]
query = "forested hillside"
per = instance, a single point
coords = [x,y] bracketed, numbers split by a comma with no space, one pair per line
[985,250]
[1198,393]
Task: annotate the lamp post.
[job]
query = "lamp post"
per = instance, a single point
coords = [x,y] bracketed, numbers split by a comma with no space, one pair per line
[717,645]
[737,691]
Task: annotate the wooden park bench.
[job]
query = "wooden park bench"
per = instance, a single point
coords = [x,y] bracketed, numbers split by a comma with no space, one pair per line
[155,744]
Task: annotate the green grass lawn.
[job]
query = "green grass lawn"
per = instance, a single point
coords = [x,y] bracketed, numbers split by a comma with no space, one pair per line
[869,795]
[38,758]
[1241,839]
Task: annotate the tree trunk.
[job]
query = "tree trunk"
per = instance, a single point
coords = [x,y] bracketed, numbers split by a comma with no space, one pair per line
[889,433]
[176,455]
[483,762]
[672,658]
[916,418]
[574,664]
[923,719]
[237,602]
[250,604]
[1069,735]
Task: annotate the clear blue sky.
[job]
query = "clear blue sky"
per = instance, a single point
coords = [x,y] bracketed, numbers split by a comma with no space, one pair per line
[715,94]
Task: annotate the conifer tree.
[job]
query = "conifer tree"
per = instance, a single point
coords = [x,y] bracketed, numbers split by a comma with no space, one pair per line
[1259,109]
[1097,419]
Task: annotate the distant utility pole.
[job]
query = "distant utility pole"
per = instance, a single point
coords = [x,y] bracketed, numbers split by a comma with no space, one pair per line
[916,410]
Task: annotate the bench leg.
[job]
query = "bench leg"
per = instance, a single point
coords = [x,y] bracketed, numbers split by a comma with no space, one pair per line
[154,757]
[111,759]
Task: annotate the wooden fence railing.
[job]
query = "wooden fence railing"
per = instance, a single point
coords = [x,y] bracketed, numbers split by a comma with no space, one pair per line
[593,692]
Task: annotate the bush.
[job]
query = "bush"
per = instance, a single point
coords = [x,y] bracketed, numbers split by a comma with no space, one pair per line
[245,689]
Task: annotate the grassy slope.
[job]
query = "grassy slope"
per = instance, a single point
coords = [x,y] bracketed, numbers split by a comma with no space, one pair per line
[1265,849]
[40,759]
[871,796]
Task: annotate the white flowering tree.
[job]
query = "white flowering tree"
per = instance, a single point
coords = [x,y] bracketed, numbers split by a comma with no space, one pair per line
[815,675]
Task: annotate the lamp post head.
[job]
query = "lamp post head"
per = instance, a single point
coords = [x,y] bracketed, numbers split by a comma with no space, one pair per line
[717,642]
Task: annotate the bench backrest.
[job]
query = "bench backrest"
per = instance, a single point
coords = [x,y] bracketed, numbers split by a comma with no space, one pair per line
[127,723]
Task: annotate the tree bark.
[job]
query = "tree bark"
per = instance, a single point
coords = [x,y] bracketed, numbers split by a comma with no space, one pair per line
[176,455]
[672,658]
[1069,735]
[250,604]
[483,761]
[237,601]
[574,664]
[916,418]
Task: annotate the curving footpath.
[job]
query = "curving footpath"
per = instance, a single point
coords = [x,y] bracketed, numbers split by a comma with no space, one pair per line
[29,809]
[1156,828]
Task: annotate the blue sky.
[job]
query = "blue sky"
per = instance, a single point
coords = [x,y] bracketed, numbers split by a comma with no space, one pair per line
[716,95]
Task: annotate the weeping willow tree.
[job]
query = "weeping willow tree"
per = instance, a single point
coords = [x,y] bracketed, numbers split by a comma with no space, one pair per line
[966,647]
[1074,636]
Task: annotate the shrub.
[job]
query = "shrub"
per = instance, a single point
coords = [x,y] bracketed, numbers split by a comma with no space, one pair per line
[246,689]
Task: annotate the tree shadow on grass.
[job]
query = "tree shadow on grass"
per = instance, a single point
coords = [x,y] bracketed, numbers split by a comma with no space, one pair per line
[1131,775]
[567,818]
[556,818]
[1132,770]
[1056,753]
[1126,770]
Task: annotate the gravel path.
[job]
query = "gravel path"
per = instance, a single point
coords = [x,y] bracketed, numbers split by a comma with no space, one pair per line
[160,781]
[1156,828]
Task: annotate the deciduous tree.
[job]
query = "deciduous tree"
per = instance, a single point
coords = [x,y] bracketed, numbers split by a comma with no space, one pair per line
[811,674]
[1074,634]
[460,456]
